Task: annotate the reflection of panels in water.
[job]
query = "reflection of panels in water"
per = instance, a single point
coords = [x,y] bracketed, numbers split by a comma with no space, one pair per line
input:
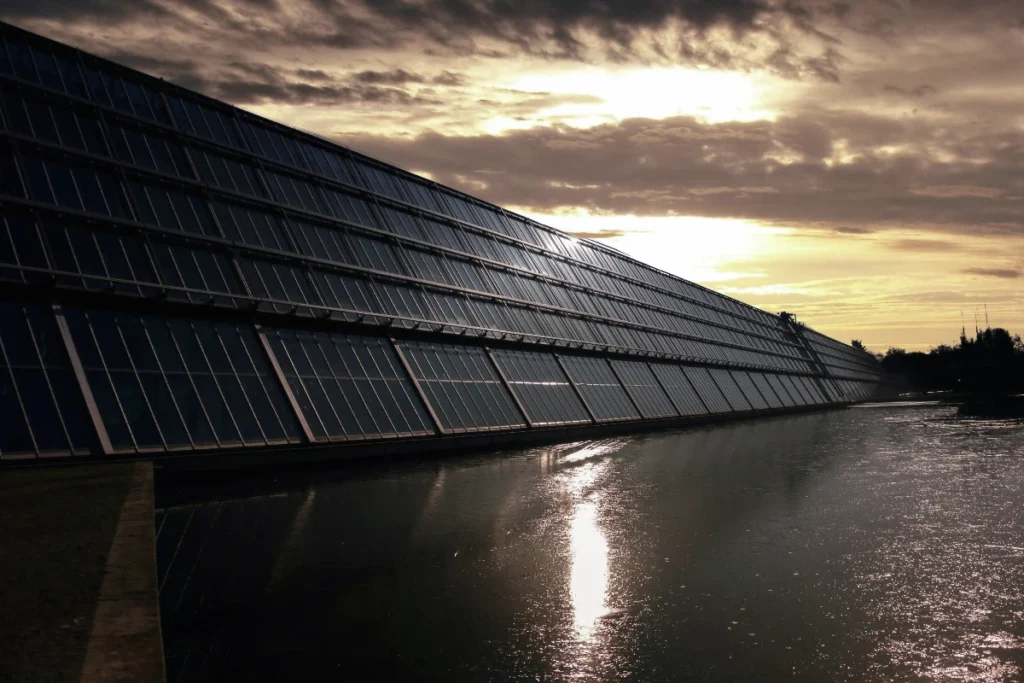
[214,559]
[288,563]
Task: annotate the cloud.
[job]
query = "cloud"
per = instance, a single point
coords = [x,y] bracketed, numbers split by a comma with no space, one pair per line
[918,91]
[922,245]
[599,234]
[769,171]
[1003,273]
[717,33]
[403,77]
[393,77]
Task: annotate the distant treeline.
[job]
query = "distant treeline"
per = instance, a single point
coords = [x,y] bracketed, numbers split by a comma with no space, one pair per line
[992,362]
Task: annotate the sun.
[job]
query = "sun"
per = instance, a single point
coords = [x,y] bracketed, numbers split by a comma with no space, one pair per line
[608,95]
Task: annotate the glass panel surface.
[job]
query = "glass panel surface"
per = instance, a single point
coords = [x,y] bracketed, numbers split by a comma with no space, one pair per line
[41,407]
[463,387]
[351,387]
[600,388]
[541,386]
[708,390]
[794,391]
[171,383]
[642,386]
[749,390]
[780,390]
[679,389]
[766,390]
[725,382]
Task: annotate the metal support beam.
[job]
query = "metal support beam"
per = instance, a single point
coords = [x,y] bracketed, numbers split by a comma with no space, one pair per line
[299,415]
[83,383]
[625,388]
[771,389]
[508,387]
[696,392]
[438,427]
[576,389]
[757,389]
[665,391]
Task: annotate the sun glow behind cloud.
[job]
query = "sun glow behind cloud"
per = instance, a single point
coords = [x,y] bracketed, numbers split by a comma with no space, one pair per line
[701,249]
[606,95]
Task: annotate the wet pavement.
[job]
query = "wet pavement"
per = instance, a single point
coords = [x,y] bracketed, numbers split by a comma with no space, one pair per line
[868,544]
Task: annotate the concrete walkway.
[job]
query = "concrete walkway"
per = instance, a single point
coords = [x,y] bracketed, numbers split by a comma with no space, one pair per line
[79,593]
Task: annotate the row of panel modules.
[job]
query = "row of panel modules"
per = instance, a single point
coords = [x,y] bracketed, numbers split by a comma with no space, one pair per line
[78,381]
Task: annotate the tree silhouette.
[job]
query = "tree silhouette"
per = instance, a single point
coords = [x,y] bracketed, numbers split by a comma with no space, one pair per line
[990,363]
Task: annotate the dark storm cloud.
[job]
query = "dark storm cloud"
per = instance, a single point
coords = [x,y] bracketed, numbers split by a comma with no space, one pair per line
[598,30]
[921,246]
[403,77]
[599,234]
[1003,273]
[393,77]
[917,91]
[252,84]
[767,171]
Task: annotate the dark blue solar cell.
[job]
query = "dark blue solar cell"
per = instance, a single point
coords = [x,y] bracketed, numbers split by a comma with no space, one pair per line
[89,189]
[38,184]
[10,179]
[17,118]
[41,409]
[164,409]
[67,127]
[216,410]
[5,61]
[191,409]
[15,437]
[96,87]
[49,75]
[64,190]
[74,82]
[21,58]
[110,409]
[136,409]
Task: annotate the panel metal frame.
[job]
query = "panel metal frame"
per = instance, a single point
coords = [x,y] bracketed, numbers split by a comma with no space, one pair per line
[438,427]
[508,387]
[283,382]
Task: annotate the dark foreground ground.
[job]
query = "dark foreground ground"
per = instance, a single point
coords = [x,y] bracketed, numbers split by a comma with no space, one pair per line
[868,544]
[78,597]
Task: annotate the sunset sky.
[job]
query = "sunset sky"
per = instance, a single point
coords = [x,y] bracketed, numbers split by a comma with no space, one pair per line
[860,164]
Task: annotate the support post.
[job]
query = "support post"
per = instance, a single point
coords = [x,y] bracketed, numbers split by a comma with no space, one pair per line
[83,382]
[665,391]
[576,389]
[508,387]
[306,431]
[625,388]
[438,427]
[696,391]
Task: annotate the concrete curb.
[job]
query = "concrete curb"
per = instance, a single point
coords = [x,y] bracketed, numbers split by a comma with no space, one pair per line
[125,643]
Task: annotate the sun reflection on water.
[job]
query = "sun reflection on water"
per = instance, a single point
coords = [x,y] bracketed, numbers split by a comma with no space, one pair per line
[588,545]
[589,580]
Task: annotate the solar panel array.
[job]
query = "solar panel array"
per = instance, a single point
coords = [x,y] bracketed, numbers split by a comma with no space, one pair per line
[179,274]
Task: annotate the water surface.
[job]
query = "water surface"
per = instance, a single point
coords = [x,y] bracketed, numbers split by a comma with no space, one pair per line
[868,544]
